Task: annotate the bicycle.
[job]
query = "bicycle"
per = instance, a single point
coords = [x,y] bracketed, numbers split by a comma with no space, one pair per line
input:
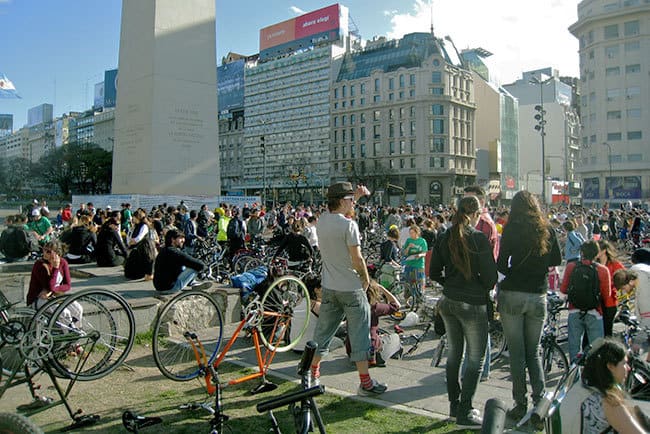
[302,414]
[78,337]
[194,320]
[637,382]
[554,360]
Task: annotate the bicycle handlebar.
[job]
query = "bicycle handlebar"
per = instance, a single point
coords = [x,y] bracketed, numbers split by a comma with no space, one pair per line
[307,355]
[289,398]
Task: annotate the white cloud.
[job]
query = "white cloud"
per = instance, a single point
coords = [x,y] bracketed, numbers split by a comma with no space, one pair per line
[521,36]
[296,10]
[388,13]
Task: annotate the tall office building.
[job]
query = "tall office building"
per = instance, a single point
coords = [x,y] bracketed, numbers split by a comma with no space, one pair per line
[286,104]
[614,39]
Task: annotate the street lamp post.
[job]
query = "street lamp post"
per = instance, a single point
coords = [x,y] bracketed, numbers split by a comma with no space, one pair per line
[263,150]
[609,155]
[541,125]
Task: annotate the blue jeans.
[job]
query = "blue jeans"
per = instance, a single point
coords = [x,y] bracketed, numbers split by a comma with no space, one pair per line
[466,325]
[185,278]
[580,323]
[522,317]
[354,306]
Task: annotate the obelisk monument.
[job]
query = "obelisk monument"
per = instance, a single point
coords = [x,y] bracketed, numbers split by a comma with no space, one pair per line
[166,132]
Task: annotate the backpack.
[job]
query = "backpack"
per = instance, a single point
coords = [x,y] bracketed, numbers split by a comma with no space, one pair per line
[234,230]
[584,287]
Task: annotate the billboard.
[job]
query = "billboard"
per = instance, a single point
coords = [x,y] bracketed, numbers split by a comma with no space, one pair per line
[230,85]
[623,187]
[320,25]
[590,188]
[110,88]
[6,122]
[98,101]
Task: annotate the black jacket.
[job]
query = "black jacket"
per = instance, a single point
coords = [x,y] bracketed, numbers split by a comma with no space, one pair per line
[109,244]
[525,270]
[169,264]
[81,241]
[484,271]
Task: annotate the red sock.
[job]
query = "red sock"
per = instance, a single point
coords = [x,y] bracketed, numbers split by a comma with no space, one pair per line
[366,381]
[315,371]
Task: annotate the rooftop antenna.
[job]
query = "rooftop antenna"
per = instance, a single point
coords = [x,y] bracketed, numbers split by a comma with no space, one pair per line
[431,4]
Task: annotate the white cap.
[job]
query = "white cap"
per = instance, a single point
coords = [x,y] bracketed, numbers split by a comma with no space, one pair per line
[36,212]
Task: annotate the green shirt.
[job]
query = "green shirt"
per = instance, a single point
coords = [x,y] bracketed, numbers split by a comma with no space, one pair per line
[40,226]
[412,247]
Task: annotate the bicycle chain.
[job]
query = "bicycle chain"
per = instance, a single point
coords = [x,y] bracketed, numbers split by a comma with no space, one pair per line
[12,332]
[36,344]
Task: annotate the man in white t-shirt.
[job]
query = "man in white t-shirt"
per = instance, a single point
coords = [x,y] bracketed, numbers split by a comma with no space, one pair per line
[344,285]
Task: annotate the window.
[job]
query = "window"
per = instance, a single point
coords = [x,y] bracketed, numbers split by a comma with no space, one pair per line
[391,83]
[633,91]
[412,146]
[344,119]
[437,110]
[376,85]
[412,110]
[336,121]
[401,129]
[362,149]
[632,46]
[612,94]
[613,137]
[336,153]
[412,93]
[343,153]
[362,133]
[633,69]
[633,158]
[401,80]
[402,147]
[362,101]
[592,138]
[437,145]
[412,80]
[631,28]
[616,114]
[352,90]
[391,148]
[401,94]
[362,118]
[336,133]
[412,163]
[391,130]
[376,98]
[376,131]
[375,115]
[634,135]
[343,104]
[343,136]
[351,103]
[438,126]
[634,113]
[402,112]
[611,51]
[362,88]
[336,92]
[391,114]
[352,134]
[436,77]
[401,163]
[437,91]
[611,31]
[376,147]
[353,119]
[343,91]
[336,167]
[353,151]
[391,96]
[612,72]
[412,128]
[391,164]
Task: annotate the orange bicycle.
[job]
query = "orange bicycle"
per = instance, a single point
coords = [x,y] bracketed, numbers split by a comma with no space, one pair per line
[188,331]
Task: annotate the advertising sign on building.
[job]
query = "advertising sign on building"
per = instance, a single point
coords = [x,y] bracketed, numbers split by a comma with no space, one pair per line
[230,85]
[301,32]
[590,188]
[110,88]
[623,187]
[98,101]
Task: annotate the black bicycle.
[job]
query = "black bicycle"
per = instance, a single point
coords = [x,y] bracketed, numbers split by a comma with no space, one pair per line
[301,404]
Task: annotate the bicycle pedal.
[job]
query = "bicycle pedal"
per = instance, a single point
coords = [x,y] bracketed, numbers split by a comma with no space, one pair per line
[265,386]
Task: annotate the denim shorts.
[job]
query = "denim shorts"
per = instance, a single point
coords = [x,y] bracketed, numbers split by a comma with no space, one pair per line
[354,306]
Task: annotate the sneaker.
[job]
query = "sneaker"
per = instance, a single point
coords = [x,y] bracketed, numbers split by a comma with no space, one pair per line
[376,389]
[517,412]
[200,285]
[470,421]
[453,411]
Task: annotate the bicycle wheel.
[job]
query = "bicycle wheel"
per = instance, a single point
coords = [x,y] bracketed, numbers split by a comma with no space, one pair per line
[252,262]
[637,383]
[239,266]
[194,312]
[554,361]
[18,424]
[281,301]
[93,333]
[497,341]
[439,351]
[18,320]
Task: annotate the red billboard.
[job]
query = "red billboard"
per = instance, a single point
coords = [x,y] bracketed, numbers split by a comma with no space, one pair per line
[277,34]
[318,21]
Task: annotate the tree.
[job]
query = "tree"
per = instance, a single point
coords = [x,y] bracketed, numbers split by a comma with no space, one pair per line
[16,175]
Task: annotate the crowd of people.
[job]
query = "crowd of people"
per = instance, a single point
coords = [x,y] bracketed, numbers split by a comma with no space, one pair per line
[482,256]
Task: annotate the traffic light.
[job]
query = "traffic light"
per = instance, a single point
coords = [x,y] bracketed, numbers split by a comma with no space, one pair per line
[539,117]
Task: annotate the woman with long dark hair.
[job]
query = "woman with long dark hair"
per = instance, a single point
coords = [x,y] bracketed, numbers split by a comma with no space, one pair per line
[528,249]
[598,403]
[142,249]
[463,263]
[609,258]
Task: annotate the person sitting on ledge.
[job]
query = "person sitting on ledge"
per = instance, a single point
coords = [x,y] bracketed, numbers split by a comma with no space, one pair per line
[175,269]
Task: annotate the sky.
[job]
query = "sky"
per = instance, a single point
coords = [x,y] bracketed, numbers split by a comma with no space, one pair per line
[55,51]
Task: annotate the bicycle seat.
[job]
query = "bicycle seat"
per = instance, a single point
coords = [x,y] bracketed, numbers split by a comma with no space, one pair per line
[133,422]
